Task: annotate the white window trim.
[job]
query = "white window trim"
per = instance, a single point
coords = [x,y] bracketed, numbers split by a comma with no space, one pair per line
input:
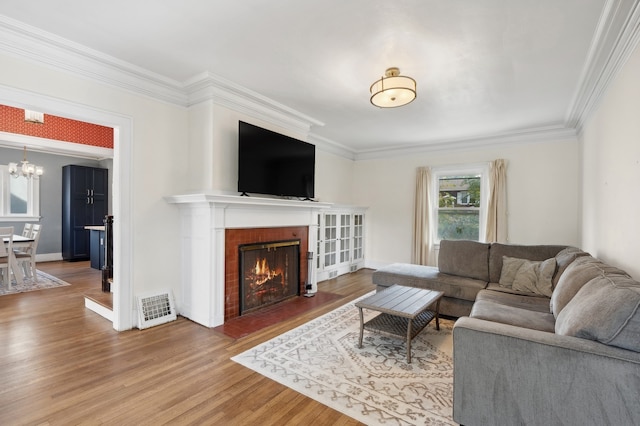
[481,169]
[33,199]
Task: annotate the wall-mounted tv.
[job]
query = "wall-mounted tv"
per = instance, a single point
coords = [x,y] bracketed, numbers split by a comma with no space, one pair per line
[274,164]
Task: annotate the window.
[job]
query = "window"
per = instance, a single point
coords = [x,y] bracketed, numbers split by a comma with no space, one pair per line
[20,197]
[460,208]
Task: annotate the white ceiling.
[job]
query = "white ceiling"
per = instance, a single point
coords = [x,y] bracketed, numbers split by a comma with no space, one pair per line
[483,67]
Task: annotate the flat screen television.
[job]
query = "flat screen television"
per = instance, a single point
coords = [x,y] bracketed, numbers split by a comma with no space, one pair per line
[274,164]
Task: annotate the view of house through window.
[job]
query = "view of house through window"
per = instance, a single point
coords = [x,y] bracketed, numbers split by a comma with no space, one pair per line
[458,212]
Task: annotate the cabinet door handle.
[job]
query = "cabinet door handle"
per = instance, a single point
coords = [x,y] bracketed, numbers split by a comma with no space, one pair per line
[88,202]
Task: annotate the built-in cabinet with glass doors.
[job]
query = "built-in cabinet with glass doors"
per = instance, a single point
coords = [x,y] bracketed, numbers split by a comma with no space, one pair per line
[340,246]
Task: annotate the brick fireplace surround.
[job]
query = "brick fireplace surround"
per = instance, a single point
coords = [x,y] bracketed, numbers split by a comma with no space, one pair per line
[211,228]
[235,237]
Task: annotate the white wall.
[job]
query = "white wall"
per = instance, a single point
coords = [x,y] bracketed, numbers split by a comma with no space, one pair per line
[611,172]
[542,192]
[213,131]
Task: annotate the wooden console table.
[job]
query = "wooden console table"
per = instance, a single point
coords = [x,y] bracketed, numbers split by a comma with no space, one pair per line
[405,312]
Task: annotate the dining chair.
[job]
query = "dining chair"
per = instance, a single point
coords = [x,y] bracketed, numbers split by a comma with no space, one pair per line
[6,248]
[26,258]
[26,231]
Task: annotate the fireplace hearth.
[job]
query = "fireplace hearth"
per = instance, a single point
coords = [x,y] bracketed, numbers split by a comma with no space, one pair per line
[269,273]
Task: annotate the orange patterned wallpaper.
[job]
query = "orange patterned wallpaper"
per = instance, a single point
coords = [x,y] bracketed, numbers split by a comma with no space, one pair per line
[56,128]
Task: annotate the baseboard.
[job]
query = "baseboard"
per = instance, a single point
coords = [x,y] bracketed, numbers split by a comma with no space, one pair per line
[48,257]
[98,309]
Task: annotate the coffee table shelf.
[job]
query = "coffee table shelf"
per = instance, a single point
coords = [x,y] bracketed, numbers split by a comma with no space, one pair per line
[404,312]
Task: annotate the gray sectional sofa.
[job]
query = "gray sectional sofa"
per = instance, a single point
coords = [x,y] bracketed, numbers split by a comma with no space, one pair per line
[551,338]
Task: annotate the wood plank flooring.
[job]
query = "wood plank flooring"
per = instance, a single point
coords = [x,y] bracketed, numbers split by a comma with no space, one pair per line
[62,364]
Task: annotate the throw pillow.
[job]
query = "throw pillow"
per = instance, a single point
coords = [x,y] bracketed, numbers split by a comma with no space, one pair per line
[510,267]
[528,276]
[535,277]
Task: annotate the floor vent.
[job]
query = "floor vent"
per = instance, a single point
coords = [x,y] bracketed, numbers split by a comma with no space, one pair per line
[155,309]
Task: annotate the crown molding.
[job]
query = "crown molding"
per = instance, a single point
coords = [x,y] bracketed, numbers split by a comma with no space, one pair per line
[616,36]
[541,134]
[210,87]
[332,147]
[27,42]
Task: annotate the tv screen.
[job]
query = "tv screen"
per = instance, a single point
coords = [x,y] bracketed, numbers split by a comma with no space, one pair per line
[275,164]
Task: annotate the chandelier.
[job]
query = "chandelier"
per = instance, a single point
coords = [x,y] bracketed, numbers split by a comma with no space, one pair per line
[27,169]
[393,90]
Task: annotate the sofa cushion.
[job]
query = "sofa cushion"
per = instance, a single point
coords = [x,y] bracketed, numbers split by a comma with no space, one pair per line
[498,250]
[578,273]
[528,276]
[430,278]
[564,259]
[606,309]
[531,312]
[464,258]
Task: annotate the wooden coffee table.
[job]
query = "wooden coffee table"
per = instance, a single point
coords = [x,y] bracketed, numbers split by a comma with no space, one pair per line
[405,312]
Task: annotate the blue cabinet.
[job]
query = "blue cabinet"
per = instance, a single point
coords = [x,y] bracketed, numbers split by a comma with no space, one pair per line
[84,203]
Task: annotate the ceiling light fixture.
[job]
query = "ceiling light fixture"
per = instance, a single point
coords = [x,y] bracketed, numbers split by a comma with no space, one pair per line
[27,169]
[393,90]
[33,116]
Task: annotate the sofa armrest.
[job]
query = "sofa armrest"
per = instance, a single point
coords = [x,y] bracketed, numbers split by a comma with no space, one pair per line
[511,375]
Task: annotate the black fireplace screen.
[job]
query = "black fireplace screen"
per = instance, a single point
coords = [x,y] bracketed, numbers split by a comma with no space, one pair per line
[269,273]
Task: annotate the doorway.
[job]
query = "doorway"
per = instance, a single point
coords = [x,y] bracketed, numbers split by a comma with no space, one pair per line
[123,318]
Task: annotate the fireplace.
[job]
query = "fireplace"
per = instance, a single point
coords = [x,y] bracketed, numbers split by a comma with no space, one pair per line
[212,228]
[269,273]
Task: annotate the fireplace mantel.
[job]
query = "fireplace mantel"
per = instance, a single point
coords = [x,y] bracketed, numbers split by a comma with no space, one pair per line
[204,217]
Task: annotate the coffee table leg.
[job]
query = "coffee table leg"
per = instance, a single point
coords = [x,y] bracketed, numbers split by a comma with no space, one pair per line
[361,328]
[409,341]
[438,315]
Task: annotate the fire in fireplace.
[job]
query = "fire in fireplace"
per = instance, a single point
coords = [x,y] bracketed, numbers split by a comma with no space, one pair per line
[269,273]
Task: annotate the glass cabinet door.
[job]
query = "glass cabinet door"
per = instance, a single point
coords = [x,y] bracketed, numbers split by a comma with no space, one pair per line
[358,243]
[330,239]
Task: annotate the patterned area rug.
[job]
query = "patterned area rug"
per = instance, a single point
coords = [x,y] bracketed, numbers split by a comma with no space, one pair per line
[44,281]
[373,385]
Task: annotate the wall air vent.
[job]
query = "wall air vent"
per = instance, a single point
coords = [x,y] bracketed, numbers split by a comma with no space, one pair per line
[353,268]
[333,274]
[155,309]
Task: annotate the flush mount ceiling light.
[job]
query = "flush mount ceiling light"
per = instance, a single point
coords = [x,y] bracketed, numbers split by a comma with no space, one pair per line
[27,169]
[393,90]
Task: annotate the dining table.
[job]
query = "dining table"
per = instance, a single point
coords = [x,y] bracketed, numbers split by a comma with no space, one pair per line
[19,241]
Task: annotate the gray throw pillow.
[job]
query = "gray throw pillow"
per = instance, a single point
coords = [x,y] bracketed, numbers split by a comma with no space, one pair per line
[606,309]
[528,276]
[536,277]
[510,267]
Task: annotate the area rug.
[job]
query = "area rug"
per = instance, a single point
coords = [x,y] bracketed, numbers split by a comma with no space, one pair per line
[374,385]
[44,281]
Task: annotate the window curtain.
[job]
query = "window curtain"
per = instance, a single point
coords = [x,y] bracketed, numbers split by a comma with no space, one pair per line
[496,229]
[422,252]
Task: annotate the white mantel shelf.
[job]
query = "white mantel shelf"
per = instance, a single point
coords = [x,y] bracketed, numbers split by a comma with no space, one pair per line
[203,220]
[248,202]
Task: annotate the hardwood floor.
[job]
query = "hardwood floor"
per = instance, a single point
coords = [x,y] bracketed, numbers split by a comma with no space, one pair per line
[61,363]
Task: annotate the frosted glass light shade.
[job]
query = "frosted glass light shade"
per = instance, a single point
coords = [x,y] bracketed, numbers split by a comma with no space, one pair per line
[393,90]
